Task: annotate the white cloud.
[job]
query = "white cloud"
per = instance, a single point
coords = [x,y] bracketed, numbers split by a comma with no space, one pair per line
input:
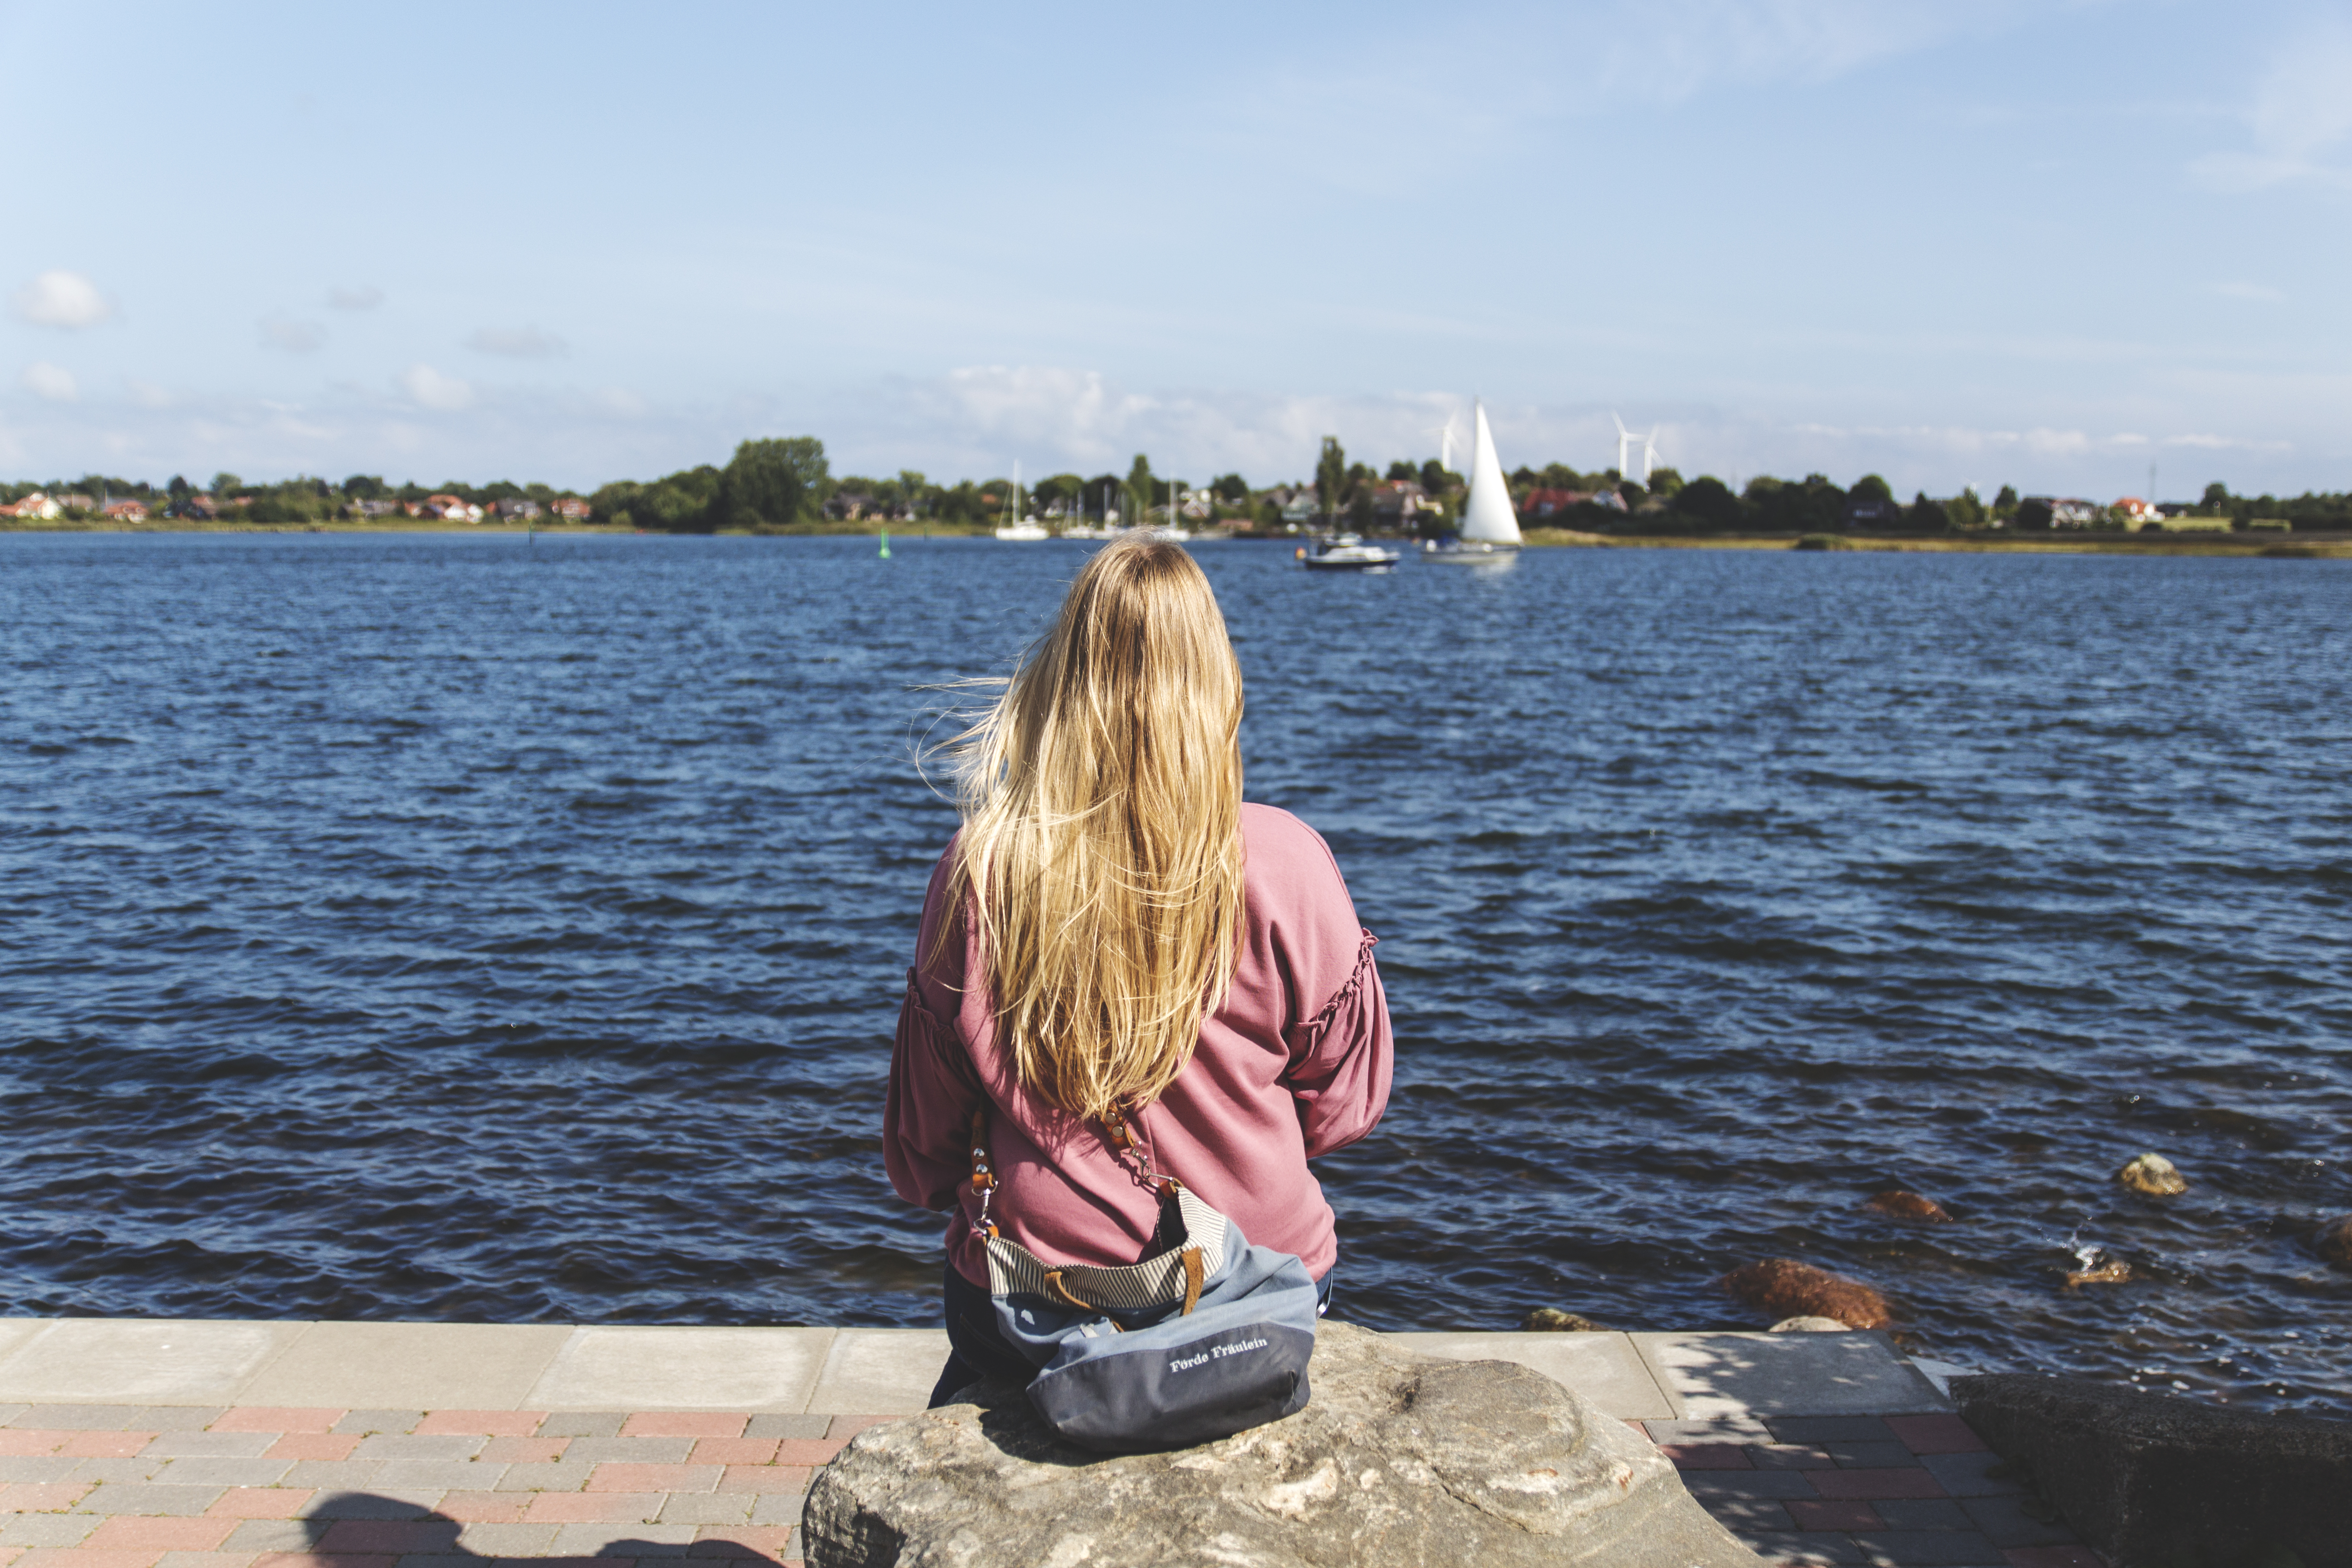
[293,337]
[146,393]
[62,299]
[363,296]
[52,382]
[518,343]
[431,389]
[2258,293]
[2301,117]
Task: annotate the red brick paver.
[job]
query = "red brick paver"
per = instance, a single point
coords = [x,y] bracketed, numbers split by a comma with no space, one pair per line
[683,1424]
[42,1497]
[482,1422]
[125,1533]
[809,1450]
[263,1419]
[1934,1433]
[1823,1514]
[628,1477]
[105,1445]
[318,1560]
[73,1557]
[593,1507]
[484,1507]
[844,1427]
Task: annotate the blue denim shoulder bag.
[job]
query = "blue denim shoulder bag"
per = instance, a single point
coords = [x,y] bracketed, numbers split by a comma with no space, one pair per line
[1207,1337]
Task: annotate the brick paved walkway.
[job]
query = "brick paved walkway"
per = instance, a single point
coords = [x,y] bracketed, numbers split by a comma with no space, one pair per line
[114,1486]
[122,1486]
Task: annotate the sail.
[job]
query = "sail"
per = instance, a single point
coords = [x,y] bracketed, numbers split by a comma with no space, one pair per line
[1488,518]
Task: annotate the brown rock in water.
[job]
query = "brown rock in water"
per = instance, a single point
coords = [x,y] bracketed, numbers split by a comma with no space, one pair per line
[1906,1205]
[1552,1320]
[2114,1271]
[1788,1289]
[2333,1241]
[2154,1175]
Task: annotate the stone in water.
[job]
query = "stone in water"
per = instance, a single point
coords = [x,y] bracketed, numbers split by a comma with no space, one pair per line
[1552,1320]
[2154,1175]
[1788,1289]
[1904,1204]
[1399,1460]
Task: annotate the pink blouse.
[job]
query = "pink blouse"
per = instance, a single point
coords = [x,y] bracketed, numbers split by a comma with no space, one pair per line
[1294,1064]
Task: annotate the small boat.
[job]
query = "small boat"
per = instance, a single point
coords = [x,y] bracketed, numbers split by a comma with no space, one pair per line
[1346,552]
[1015,528]
[1490,528]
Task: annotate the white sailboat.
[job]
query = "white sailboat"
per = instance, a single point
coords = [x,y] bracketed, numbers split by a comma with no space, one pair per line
[1490,528]
[1015,526]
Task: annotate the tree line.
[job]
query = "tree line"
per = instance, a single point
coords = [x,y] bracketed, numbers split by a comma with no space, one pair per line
[786,483]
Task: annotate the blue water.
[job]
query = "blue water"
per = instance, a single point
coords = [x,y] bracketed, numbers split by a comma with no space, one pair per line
[444,926]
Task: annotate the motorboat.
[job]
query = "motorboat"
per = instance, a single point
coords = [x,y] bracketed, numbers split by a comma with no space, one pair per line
[1348,552]
[1490,528]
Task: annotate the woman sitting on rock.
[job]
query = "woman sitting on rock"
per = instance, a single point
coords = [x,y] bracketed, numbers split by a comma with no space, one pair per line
[1113,932]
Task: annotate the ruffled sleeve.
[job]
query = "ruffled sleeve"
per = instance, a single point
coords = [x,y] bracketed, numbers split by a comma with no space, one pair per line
[927,1118]
[1342,1058]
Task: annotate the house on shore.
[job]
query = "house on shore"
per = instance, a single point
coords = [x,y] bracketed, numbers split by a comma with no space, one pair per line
[1550,503]
[514,507]
[35,508]
[571,507]
[452,508]
[126,511]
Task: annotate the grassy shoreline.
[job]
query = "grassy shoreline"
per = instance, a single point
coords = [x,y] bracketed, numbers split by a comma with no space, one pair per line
[2233,545]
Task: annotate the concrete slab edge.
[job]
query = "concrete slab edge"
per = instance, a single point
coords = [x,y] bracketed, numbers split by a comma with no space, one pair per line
[815,1370]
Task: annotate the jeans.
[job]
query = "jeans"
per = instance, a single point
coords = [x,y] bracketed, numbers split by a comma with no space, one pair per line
[978,1352]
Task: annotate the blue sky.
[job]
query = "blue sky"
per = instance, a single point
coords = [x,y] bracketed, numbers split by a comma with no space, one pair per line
[2046,245]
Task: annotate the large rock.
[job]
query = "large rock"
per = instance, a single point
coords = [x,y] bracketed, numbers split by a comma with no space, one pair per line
[1398,1459]
[1788,1289]
[2153,1174]
[2152,1480]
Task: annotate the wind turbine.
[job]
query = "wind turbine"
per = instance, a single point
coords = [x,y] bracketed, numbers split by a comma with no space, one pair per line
[1625,439]
[1444,433]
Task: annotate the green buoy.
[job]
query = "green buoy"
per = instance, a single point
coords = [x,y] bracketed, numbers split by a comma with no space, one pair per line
[886,545]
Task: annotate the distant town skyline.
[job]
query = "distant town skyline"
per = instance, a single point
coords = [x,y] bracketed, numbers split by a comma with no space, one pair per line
[1952,244]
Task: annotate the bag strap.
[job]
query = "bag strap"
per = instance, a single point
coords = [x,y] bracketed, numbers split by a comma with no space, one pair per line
[984,1178]
[1120,1135]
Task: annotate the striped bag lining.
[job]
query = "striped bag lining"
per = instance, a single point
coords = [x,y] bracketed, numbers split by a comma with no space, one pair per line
[1014,1270]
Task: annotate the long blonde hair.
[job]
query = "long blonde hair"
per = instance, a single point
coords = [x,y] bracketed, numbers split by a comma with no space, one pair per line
[1101,844]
